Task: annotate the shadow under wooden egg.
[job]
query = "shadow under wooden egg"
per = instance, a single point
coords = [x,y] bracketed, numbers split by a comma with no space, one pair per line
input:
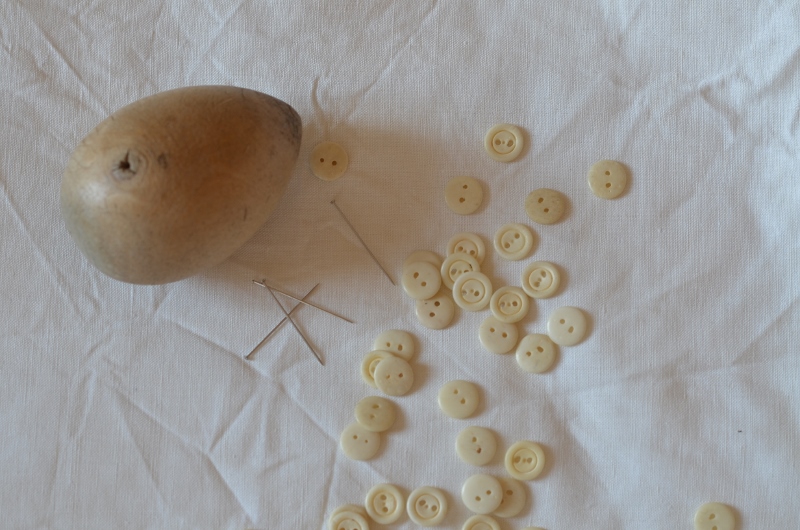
[388,209]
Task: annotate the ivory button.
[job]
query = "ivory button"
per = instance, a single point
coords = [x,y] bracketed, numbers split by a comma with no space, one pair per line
[455,265]
[541,279]
[370,363]
[476,446]
[545,206]
[480,522]
[344,519]
[436,312]
[513,241]
[427,506]
[504,142]
[608,178]
[328,161]
[358,443]
[482,493]
[472,291]
[394,376]
[375,414]
[509,304]
[463,195]
[468,243]
[458,399]
[385,503]
[423,255]
[536,353]
[498,337]
[524,460]
[421,280]
[397,342]
[714,516]
[514,498]
[566,326]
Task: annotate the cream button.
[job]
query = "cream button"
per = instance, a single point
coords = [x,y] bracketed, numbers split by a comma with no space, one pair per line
[463,195]
[514,498]
[509,304]
[503,142]
[459,399]
[427,506]
[524,460]
[375,414]
[608,178]
[536,353]
[436,312]
[468,243]
[566,326]
[328,161]
[714,516]
[421,280]
[541,279]
[356,508]
[348,520]
[455,265]
[498,337]
[513,241]
[545,206]
[385,504]
[358,443]
[397,342]
[480,522]
[423,255]
[472,291]
[370,362]
[476,446]
[482,493]
[394,376]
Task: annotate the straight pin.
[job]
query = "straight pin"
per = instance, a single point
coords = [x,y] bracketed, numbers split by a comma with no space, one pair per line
[333,202]
[263,283]
[296,327]
[249,356]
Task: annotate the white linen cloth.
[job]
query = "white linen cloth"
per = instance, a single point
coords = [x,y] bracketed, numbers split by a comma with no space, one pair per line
[132,407]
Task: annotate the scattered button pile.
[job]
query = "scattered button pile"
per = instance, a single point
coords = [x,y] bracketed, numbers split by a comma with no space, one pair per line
[471,290]
[437,286]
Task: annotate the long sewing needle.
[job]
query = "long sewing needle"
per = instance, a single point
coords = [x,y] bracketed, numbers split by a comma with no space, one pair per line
[263,283]
[296,327]
[249,356]
[333,202]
